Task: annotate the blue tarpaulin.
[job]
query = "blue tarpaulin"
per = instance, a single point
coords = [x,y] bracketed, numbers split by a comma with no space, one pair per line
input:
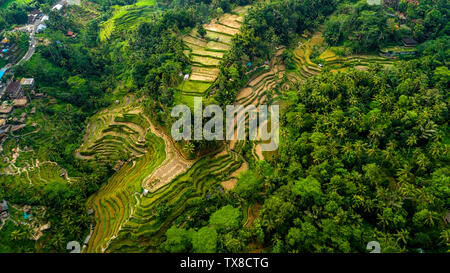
[1,73]
[4,50]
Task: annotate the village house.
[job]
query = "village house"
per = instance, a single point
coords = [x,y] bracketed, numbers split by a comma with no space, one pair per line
[4,45]
[5,108]
[15,128]
[27,212]
[57,7]
[5,41]
[408,42]
[71,34]
[40,28]
[27,83]
[21,102]
[14,90]
[34,14]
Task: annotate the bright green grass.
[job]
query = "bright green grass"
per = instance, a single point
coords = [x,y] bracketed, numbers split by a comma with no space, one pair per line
[127,17]
[194,86]
[187,90]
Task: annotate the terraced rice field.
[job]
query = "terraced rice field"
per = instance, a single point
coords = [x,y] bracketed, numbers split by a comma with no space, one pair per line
[39,174]
[206,54]
[121,131]
[360,62]
[128,220]
[115,134]
[145,225]
[127,17]
[116,200]
[124,215]
[146,158]
[255,94]
[305,67]
[231,183]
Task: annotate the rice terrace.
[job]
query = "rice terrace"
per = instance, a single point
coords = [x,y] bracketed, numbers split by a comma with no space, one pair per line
[88,157]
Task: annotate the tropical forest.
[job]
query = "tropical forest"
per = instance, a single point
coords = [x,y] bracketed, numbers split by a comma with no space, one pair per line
[88,157]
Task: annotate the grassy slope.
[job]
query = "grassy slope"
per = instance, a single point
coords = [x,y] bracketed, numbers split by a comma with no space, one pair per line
[207,53]
[127,17]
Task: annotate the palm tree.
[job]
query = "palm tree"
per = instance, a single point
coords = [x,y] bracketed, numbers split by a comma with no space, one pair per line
[341,132]
[436,150]
[411,141]
[57,240]
[383,219]
[429,220]
[16,235]
[189,148]
[422,161]
[402,235]
[445,236]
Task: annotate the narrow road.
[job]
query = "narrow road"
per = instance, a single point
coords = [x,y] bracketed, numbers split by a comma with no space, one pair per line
[33,42]
[32,47]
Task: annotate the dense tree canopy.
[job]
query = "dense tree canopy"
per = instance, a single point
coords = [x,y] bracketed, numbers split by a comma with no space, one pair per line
[363,156]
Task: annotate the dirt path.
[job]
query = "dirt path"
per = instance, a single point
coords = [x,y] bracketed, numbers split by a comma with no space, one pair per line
[173,165]
[253,213]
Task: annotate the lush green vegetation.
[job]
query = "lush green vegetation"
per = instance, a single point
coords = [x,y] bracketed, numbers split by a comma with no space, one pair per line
[66,70]
[363,152]
[126,18]
[364,156]
[14,12]
[363,27]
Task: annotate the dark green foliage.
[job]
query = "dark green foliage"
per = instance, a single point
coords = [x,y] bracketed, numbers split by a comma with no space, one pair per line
[204,240]
[178,240]
[249,185]
[364,27]
[362,158]
[367,28]
[225,218]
